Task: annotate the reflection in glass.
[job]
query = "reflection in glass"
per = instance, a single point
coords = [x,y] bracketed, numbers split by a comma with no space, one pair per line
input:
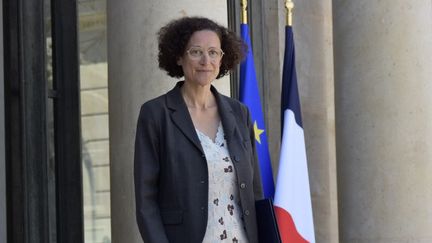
[94,120]
[51,174]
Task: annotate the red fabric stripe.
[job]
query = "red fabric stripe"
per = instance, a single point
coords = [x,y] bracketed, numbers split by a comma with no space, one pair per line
[287,229]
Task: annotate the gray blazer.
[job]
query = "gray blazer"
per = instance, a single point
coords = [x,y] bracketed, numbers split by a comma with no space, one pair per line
[170,169]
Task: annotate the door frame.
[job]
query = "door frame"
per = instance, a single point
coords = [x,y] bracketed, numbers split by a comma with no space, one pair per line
[44,194]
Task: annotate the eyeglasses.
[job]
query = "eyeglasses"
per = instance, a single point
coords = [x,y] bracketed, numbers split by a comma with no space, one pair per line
[196,53]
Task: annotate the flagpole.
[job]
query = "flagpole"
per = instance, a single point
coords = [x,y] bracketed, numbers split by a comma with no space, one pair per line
[289,5]
[244,11]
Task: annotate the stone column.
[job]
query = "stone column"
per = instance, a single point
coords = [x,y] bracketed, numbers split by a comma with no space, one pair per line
[134,77]
[314,50]
[312,27]
[383,60]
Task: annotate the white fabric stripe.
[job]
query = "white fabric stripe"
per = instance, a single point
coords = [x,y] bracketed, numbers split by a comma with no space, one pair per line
[292,187]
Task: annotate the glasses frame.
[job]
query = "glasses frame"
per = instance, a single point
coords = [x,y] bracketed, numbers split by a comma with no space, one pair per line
[222,53]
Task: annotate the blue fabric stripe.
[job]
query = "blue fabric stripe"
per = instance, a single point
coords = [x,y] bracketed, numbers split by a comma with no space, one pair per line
[290,97]
[249,95]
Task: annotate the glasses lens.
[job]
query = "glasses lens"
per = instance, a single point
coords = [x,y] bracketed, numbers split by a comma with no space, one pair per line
[197,53]
[214,53]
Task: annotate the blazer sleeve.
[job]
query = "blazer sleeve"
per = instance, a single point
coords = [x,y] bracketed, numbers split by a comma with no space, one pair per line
[257,184]
[146,174]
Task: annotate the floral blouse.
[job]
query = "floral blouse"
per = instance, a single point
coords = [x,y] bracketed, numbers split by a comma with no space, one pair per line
[225,223]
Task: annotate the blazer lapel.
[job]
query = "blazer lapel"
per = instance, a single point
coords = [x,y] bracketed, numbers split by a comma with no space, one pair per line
[181,117]
[230,125]
[226,114]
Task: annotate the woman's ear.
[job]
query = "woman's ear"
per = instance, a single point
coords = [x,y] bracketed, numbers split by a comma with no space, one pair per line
[179,61]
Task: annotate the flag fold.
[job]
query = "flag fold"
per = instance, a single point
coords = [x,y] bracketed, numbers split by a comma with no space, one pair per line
[292,202]
[249,95]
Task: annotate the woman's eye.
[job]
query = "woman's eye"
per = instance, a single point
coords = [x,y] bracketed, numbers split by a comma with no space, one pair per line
[196,52]
[213,53]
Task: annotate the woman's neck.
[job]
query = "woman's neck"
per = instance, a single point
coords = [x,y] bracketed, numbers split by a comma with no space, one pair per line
[197,97]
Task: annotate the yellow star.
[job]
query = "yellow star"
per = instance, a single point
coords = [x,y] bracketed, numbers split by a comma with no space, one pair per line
[257,132]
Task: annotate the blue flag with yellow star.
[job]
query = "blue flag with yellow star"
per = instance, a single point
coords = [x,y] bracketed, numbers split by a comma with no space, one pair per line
[249,95]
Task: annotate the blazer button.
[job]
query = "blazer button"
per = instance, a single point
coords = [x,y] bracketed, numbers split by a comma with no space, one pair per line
[202,208]
[202,182]
[242,185]
[246,212]
[236,158]
[203,155]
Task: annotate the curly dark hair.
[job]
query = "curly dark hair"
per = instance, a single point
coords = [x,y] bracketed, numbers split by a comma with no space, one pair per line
[174,37]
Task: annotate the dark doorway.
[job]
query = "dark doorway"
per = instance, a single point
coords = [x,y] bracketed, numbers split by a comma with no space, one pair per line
[43,162]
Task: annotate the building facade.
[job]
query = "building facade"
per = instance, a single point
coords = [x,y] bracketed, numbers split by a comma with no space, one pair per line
[75,73]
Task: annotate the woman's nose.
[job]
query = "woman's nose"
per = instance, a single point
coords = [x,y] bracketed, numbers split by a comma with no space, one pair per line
[205,58]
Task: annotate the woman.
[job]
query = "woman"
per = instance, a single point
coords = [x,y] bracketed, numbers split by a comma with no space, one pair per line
[196,173]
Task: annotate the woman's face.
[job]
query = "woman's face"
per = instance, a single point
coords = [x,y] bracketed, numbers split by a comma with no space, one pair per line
[202,58]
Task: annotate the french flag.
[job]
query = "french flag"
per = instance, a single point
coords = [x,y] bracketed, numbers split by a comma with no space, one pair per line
[292,201]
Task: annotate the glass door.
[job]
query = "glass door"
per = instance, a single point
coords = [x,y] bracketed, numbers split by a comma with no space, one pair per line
[94,120]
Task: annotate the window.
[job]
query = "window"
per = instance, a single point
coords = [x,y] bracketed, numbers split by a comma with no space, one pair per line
[94,120]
